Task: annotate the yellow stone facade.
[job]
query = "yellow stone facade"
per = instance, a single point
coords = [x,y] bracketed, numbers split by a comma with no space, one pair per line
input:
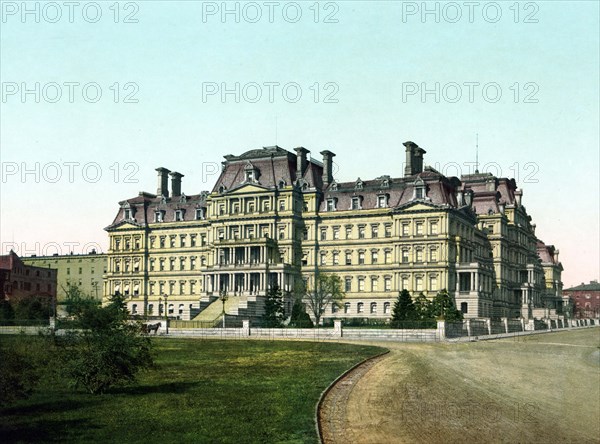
[276,217]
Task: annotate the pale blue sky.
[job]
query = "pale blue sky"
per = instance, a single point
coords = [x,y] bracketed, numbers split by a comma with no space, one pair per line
[369,54]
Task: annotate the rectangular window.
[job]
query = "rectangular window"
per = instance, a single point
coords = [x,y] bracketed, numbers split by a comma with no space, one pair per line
[419,228]
[404,256]
[374,231]
[374,257]
[375,284]
[419,256]
[348,258]
[433,283]
[192,240]
[323,233]
[178,215]
[388,257]
[172,242]
[162,242]
[361,284]
[388,231]
[361,232]
[199,214]
[330,205]
[192,287]
[282,205]
[419,283]
[404,282]
[381,201]
[348,232]
[433,255]
[172,264]
[361,257]
[405,229]
[387,284]
[158,216]
[323,258]
[433,228]
[355,203]
[336,233]
[192,263]
[182,241]
[348,284]
[336,258]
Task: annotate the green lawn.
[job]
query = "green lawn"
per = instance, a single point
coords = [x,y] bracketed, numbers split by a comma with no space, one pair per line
[201,391]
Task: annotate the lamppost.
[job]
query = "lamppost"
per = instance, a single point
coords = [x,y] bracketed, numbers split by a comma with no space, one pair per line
[223,297]
[166,315]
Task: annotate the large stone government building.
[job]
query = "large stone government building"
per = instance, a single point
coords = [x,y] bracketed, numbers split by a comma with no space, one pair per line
[275,216]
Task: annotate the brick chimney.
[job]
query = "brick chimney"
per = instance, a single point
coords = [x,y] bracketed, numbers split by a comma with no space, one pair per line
[301,161]
[176,183]
[163,182]
[414,159]
[327,167]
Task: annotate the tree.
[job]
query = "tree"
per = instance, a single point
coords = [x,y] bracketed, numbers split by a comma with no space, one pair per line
[404,309]
[299,317]
[32,307]
[274,310]
[328,291]
[443,307]
[109,349]
[423,308]
[76,300]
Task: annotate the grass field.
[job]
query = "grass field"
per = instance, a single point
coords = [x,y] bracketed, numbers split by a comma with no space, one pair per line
[530,389]
[201,391]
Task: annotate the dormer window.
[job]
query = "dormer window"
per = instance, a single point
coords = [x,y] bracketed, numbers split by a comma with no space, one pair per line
[359,184]
[331,204]
[382,201]
[385,183]
[127,214]
[420,190]
[334,186]
[199,213]
[356,203]
[178,215]
[251,173]
[159,216]
[281,184]
[222,189]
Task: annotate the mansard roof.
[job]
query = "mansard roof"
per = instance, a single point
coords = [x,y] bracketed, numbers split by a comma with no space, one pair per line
[274,164]
[440,190]
[145,205]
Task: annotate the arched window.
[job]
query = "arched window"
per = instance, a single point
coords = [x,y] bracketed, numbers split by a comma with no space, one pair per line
[386,308]
[150,309]
[134,309]
[360,307]
[347,307]
[373,307]
[464,307]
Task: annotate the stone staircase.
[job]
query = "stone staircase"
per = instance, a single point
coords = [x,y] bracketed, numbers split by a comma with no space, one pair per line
[213,311]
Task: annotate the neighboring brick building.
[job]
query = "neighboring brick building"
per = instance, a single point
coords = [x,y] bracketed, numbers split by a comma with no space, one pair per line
[19,280]
[274,217]
[585,299]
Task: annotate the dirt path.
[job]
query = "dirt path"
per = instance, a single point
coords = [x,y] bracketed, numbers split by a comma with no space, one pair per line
[492,391]
[333,415]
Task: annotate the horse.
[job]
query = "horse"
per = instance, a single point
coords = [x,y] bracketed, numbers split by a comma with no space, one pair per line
[148,328]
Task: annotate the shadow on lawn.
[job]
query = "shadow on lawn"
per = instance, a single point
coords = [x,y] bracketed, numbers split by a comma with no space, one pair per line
[171,387]
[44,430]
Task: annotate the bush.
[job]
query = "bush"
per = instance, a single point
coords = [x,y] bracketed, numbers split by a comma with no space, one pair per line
[108,350]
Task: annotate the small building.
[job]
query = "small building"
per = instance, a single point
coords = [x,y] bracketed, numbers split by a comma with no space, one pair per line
[585,299]
[19,280]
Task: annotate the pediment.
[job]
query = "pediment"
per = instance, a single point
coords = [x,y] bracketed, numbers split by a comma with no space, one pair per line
[248,188]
